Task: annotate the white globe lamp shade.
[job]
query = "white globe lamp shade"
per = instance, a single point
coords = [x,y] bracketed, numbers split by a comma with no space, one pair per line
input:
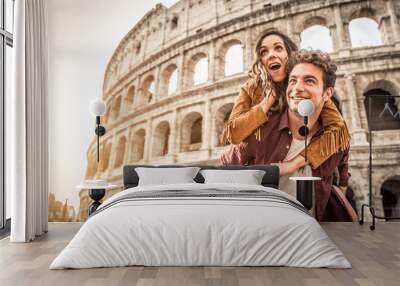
[97,107]
[306,107]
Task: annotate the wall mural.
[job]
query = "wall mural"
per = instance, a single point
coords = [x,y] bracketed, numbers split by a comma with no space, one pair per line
[170,85]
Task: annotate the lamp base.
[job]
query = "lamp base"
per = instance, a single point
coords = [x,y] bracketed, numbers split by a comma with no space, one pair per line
[96,195]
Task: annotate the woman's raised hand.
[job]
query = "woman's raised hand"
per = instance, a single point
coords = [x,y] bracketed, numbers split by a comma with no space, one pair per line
[268,101]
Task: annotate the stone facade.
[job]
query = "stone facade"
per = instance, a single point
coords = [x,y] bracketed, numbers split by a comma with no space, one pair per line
[145,125]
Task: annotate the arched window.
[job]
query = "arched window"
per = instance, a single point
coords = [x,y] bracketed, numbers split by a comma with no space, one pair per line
[201,71]
[169,80]
[119,159]
[160,139]
[173,82]
[385,113]
[116,107]
[390,191]
[358,35]
[129,98]
[138,46]
[151,91]
[191,132]
[234,60]
[316,37]
[195,134]
[138,141]
[148,90]
[174,22]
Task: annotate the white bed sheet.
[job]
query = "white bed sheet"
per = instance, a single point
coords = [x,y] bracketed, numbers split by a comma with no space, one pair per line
[200,231]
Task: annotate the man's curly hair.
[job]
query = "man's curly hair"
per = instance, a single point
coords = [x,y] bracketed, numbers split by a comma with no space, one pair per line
[319,59]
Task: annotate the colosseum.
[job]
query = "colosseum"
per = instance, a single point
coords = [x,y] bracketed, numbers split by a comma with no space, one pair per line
[160,112]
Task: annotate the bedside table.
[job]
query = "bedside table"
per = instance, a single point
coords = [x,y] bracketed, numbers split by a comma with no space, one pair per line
[305,190]
[96,193]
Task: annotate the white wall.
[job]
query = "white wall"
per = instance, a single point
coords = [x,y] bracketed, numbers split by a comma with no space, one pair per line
[82,38]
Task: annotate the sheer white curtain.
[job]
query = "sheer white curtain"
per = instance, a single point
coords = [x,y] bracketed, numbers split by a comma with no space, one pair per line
[28,123]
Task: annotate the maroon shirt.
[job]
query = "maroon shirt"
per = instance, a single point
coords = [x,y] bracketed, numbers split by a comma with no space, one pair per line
[273,147]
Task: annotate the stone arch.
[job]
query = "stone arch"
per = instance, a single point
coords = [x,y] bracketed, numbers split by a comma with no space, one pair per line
[230,58]
[115,108]
[357,25]
[138,47]
[316,35]
[365,12]
[191,133]
[105,153]
[147,90]
[390,191]
[197,69]
[120,152]
[221,118]
[173,82]
[174,22]
[314,21]
[385,111]
[169,80]
[357,21]
[161,139]
[383,84]
[129,98]
[137,145]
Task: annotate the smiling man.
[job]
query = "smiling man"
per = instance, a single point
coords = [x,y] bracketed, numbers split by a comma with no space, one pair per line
[312,75]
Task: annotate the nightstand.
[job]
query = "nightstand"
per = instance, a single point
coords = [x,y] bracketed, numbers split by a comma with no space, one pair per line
[96,193]
[305,190]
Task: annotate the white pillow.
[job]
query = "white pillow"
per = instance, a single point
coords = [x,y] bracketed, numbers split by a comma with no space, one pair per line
[163,176]
[249,177]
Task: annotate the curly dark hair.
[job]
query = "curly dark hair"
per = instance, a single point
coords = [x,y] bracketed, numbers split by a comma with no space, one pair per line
[319,59]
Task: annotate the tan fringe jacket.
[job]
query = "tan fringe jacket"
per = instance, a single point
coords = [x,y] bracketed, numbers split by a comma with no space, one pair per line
[247,116]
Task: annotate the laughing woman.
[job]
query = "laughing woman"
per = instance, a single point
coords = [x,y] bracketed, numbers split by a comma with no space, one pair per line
[264,93]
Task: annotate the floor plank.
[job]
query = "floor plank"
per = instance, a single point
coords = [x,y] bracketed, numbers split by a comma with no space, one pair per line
[374,255]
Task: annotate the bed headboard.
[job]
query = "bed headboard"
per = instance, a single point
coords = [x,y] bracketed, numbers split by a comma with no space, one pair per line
[270,179]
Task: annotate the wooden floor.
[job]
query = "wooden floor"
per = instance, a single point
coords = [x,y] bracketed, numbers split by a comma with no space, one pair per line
[374,255]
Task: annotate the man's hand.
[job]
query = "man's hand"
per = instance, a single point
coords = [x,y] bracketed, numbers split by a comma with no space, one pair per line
[289,167]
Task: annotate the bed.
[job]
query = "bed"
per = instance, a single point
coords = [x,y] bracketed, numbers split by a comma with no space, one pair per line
[201,224]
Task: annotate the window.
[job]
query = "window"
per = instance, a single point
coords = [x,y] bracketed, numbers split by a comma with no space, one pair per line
[316,37]
[173,82]
[358,37]
[6,44]
[174,22]
[385,113]
[138,48]
[201,71]
[234,60]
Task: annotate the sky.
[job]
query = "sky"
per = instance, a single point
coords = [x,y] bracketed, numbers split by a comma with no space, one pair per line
[83,36]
